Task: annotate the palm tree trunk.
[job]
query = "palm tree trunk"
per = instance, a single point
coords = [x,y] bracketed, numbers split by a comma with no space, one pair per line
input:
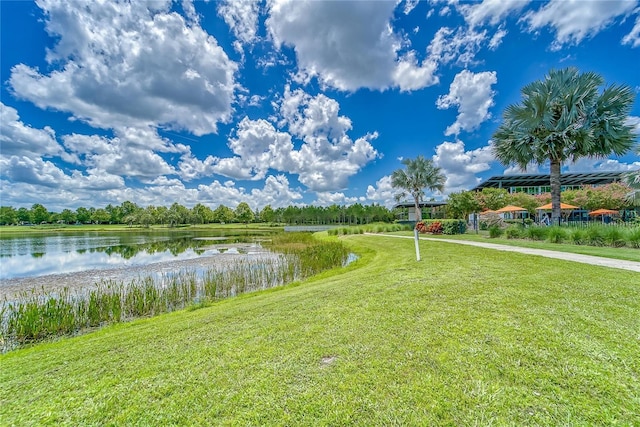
[555,192]
[418,211]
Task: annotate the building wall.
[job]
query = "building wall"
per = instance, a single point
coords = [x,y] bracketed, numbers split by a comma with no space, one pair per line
[412,214]
[540,189]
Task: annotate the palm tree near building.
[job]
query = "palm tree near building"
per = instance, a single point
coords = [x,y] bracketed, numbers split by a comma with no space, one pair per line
[419,174]
[633,180]
[563,118]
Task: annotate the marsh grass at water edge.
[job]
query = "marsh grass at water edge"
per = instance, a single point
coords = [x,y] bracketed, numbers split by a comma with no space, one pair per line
[38,314]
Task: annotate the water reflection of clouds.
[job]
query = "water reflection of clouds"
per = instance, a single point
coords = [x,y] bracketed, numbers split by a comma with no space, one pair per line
[72,262]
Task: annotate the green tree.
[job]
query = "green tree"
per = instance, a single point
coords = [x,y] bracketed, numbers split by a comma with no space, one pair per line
[115,214]
[524,200]
[267,214]
[100,216]
[39,214]
[632,179]
[201,214]
[8,215]
[223,214]
[68,216]
[461,204]
[83,215]
[130,219]
[160,214]
[24,215]
[493,198]
[144,217]
[563,118]
[419,174]
[243,213]
[128,208]
[609,196]
[177,214]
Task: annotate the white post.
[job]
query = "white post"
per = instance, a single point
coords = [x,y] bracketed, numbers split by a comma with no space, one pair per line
[417,241]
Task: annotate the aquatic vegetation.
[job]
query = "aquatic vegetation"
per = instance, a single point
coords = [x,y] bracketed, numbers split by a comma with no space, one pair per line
[38,314]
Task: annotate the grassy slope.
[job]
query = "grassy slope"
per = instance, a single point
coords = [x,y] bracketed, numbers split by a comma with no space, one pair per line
[467,336]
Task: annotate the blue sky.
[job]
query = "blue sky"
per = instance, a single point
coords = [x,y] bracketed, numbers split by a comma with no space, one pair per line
[283,102]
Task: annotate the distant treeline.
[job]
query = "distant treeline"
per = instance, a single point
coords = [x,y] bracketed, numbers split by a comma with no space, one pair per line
[131,214]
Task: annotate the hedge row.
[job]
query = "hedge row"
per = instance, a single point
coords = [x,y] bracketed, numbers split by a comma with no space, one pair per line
[442,226]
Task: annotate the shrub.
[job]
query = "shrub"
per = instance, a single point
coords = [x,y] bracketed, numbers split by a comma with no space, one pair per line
[536,233]
[495,231]
[556,234]
[613,236]
[633,238]
[442,226]
[577,236]
[514,232]
[454,226]
[435,228]
[594,236]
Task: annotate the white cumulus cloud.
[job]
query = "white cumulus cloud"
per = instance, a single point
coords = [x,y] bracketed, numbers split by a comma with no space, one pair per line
[471,93]
[20,139]
[347,45]
[242,18]
[633,38]
[575,20]
[461,167]
[130,64]
[490,11]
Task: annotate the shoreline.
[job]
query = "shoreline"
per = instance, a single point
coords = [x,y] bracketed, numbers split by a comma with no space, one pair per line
[77,281]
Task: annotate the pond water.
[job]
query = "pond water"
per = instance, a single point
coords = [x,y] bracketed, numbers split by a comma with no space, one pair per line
[35,255]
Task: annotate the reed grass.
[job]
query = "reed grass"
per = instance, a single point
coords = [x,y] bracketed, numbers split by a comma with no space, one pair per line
[557,234]
[38,314]
[369,228]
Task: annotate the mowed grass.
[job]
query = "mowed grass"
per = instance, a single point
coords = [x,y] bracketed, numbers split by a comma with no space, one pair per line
[467,336]
[627,254]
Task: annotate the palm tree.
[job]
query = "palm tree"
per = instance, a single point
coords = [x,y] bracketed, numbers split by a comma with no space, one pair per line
[563,118]
[420,173]
[633,180]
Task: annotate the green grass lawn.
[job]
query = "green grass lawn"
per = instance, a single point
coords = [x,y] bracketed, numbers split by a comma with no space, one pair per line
[467,336]
[628,254]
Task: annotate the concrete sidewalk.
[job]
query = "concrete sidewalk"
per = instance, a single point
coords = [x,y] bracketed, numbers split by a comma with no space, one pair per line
[585,259]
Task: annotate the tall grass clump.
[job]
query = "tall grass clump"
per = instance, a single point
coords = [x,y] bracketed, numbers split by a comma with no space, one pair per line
[633,237]
[614,236]
[594,236]
[577,236]
[313,256]
[38,317]
[556,234]
[247,276]
[514,231]
[536,233]
[495,231]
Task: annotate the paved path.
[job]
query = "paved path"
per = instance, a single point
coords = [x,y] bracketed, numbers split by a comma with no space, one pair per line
[586,259]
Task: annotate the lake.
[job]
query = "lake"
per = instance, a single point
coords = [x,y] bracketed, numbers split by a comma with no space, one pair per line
[39,254]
